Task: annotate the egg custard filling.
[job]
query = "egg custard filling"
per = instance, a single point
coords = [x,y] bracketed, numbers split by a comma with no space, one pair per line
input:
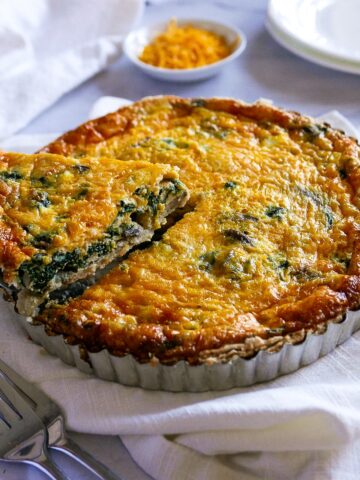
[63,218]
[269,249]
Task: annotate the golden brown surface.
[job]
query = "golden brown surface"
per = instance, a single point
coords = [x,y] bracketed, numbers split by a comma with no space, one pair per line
[271,246]
[51,204]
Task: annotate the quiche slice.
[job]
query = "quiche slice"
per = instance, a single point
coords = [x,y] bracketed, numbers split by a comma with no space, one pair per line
[269,252]
[63,218]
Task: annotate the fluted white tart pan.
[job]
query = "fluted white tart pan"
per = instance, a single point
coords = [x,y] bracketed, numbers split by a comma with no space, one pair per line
[284,357]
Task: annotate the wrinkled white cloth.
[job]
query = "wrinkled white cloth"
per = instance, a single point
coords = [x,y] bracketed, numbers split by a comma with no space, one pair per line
[303,426]
[48,47]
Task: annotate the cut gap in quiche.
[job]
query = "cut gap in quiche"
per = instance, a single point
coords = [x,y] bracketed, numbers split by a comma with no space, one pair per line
[64,218]
[67,292]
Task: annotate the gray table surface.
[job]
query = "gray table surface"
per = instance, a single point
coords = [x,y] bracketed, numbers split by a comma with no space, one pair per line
[264,70]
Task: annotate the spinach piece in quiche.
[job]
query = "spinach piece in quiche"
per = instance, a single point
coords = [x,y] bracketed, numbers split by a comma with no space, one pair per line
[236,267]
[343,174]
[237,235]
[198,102]
[40,199]
[42,181]
[81,168]
[236,217]
[11,175]
[125,207]
[207,260]
[172,187]
[153,201]
[280,264]
[213,129]
[311,195]
[305,275]
[321,203]
[142,191]
[343,260]
[230,185]
[84,190]
[170,344]
[312,131]
[329,217]
[275,212]
[43,240]
[100,248]
[175,143]
[38,272]
[220,134]
[169,141]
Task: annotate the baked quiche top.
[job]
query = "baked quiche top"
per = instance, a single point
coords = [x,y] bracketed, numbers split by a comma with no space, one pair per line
[269,246]
[60,216]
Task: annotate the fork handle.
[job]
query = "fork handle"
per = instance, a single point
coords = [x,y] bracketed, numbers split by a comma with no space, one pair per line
[48,467]
[73,450]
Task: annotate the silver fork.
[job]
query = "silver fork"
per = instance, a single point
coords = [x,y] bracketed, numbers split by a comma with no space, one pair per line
[22,434]
[50,415]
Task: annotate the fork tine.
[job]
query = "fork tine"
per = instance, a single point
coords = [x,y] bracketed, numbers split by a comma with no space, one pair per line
[25,435]
[9,408]
[19,384]
[17,414]
[7,413]
[4,425]
[52,417]
[46,409]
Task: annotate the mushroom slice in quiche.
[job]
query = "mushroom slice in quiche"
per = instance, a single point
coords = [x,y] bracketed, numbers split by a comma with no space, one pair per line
[63,218]
[269,252]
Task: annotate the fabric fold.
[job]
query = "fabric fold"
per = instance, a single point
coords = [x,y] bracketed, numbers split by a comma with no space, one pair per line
[48,47]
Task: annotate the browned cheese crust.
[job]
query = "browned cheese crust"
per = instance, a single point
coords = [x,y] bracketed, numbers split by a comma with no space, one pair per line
[270,252]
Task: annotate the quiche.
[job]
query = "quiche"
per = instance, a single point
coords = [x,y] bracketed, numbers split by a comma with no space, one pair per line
[266,251]
[62,218]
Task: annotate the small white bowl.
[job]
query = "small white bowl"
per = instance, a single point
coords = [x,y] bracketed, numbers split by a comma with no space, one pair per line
[138,39]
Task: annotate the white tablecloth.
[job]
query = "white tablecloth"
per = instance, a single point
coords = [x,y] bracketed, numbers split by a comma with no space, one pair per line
[265,70]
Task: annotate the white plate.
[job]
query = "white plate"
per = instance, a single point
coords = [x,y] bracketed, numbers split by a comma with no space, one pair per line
[329,27]
[138,39]
[304,51]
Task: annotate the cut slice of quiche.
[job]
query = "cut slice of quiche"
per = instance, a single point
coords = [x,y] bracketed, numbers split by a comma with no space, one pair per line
[63,218]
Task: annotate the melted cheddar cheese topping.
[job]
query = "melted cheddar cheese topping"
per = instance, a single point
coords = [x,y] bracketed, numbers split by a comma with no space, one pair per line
[273,221]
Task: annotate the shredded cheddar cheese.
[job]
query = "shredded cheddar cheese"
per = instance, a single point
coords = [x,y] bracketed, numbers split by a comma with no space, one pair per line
[184,47]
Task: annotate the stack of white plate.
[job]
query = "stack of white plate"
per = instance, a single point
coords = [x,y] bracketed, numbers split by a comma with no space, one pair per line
[326,32]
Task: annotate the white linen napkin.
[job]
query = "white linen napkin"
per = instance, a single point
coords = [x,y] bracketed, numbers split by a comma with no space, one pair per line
[48,47]
[300,426]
